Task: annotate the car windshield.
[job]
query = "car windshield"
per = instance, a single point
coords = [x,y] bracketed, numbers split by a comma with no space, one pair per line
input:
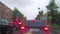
[3,21]
[29,16]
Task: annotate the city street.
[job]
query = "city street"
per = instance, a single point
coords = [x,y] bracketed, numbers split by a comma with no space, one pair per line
[30,32]
[37,31]
[29,17]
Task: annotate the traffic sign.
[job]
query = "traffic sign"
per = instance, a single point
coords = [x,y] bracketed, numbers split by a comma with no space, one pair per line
[50,17]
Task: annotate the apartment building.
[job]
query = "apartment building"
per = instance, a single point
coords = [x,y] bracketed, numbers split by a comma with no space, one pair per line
[5,12]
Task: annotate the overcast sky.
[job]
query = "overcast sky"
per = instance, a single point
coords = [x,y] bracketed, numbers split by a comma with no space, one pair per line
[28,7]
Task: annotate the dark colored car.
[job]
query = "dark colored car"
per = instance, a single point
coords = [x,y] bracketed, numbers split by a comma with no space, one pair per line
[37,26]
[5,27]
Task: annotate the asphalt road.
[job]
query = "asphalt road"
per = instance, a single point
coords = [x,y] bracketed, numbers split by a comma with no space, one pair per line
[56,31]
[50,31]
[37,32]
[53,31]
[31,31]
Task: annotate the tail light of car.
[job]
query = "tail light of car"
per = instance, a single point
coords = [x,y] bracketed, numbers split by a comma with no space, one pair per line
[45,28]
[22,27]
[20,23]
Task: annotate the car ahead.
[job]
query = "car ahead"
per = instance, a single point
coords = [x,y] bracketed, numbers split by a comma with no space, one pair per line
[37,26]
[5,27]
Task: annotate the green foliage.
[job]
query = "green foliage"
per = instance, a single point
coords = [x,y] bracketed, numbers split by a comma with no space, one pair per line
[49,17]
[52,11]
[15,11]
[25,18]
[38,16]
[52,5]
[38,8]
[58,18]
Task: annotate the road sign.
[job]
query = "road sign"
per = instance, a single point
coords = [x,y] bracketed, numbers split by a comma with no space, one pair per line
[50,17]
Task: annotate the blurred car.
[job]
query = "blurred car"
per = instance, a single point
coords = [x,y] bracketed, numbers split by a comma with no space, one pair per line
[36,26]
[5,27]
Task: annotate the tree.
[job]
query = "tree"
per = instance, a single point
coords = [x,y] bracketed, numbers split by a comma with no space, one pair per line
[58,18]
[52,10]
[25,18]
[15,13]
[39,15]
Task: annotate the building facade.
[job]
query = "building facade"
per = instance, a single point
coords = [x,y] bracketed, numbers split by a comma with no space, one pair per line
[5,12]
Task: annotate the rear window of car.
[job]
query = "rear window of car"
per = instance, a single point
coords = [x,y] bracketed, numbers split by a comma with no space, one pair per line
[4,21]
[37,23]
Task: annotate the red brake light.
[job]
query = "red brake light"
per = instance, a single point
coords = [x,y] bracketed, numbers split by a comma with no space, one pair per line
[46,28]
[20,23]
[22,27]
